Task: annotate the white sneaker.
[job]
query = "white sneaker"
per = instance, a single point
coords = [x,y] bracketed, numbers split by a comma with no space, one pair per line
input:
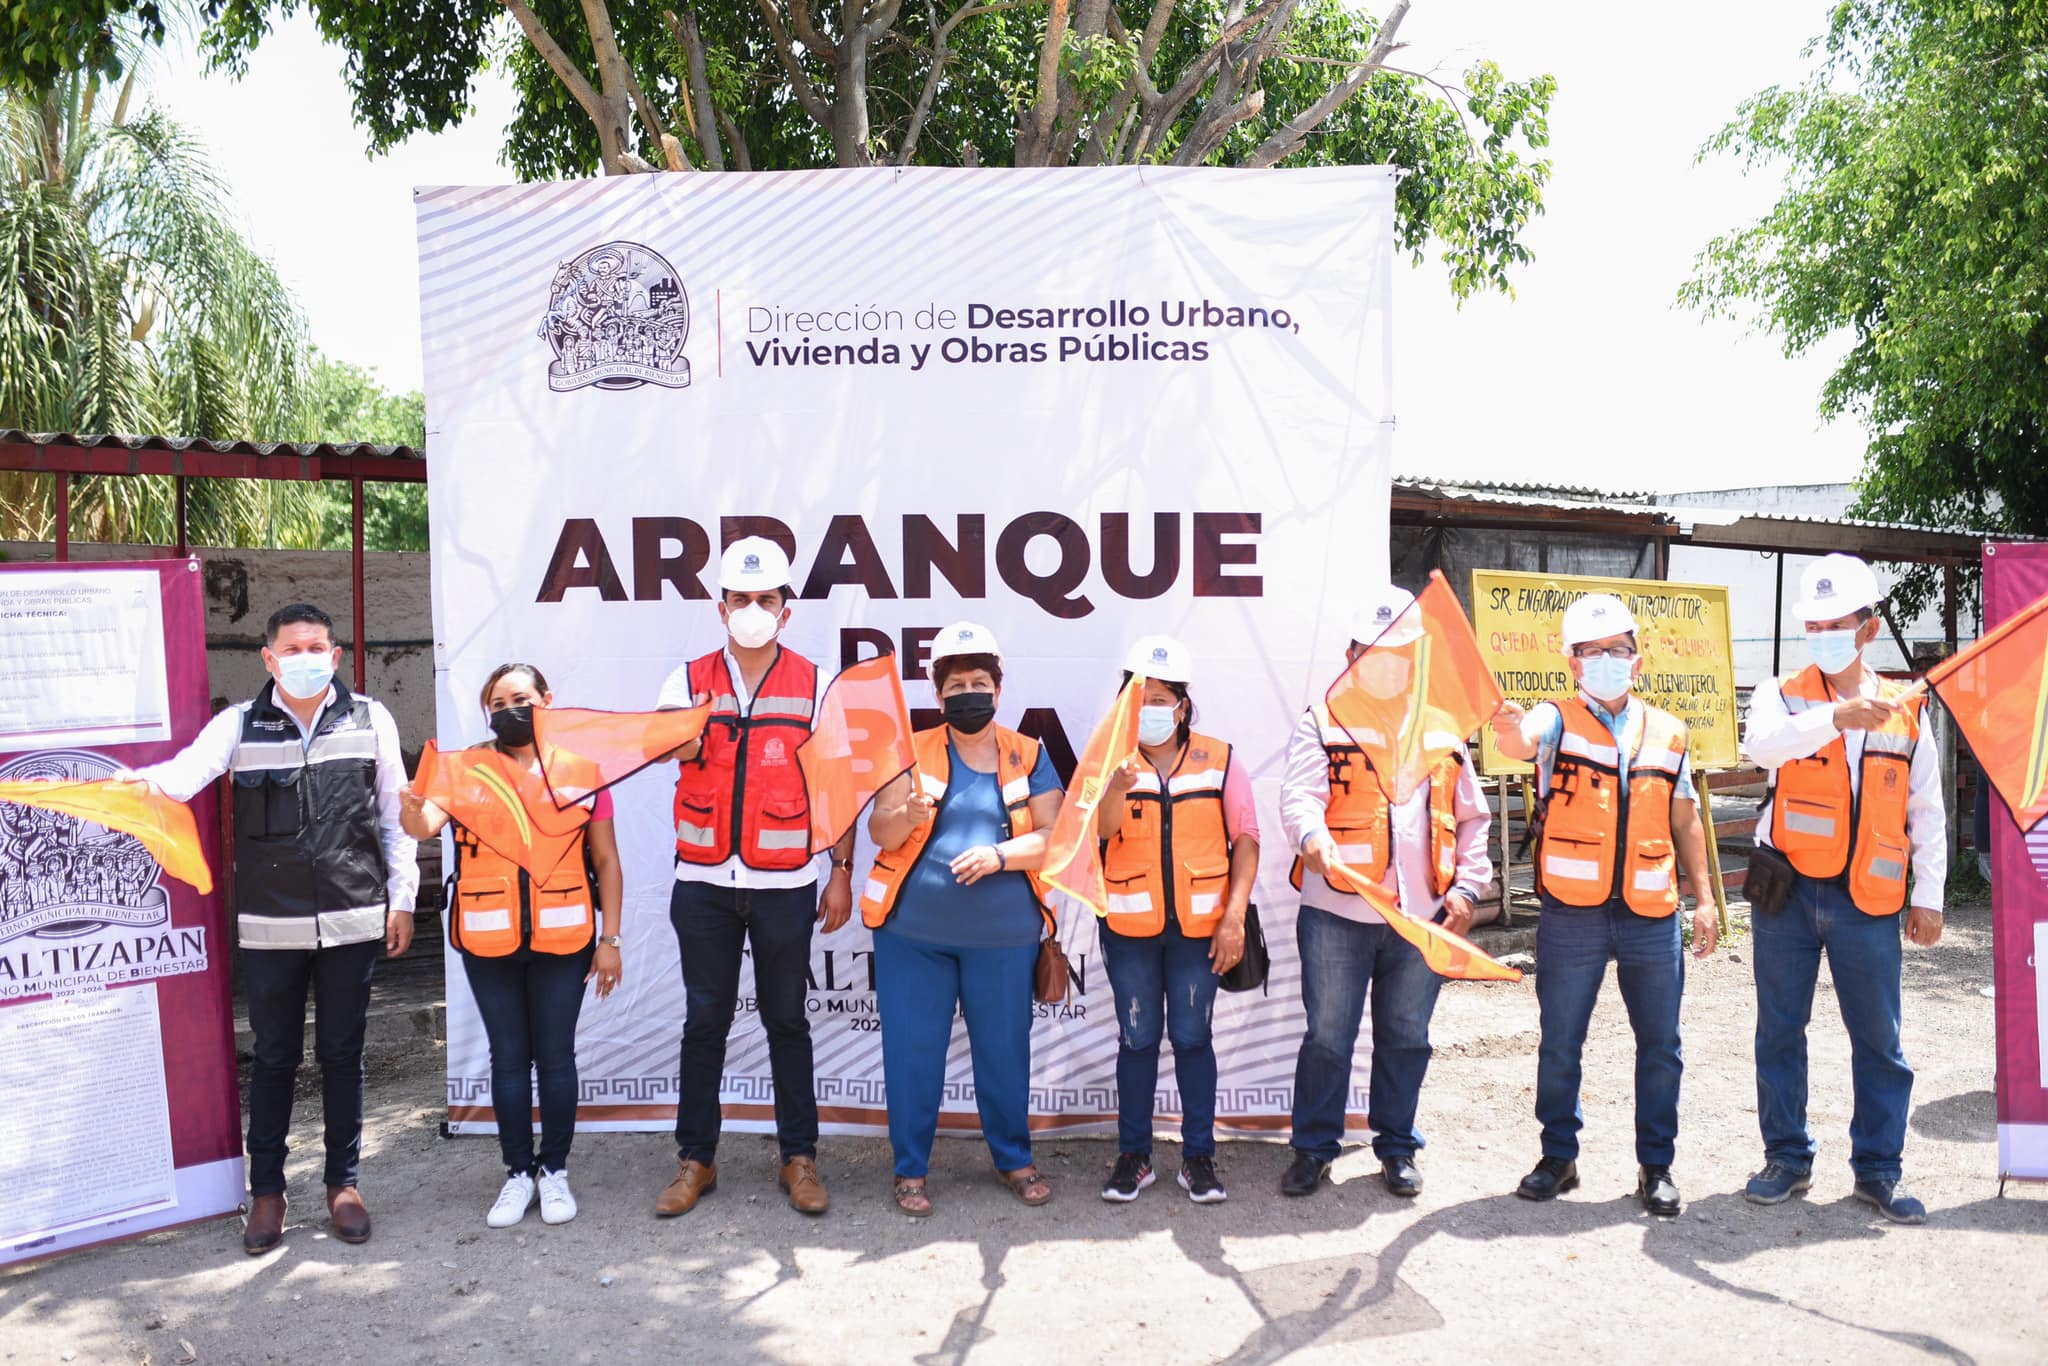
[557,1206]
[512,1202]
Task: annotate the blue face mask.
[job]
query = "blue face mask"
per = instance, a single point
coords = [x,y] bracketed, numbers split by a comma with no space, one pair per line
[1156,725]
[305,676]
[1835,651]
[1607,678]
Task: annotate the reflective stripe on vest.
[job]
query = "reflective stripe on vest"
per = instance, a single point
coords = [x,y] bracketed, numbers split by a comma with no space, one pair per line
[1172,851]
[1589,817]
[1826,828]
[744,793]
[1016,756]
[1360,816]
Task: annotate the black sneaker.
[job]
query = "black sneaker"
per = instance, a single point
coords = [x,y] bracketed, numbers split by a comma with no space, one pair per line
[1305,1175]
[1889,1198]
[1198,1179]
[1132,1173]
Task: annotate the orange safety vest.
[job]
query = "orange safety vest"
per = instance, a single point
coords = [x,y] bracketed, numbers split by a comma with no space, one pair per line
[1825,828]
[1588,815]
[1172,852]
[1016,756]
[1360,814]
[498,908]
[744,793]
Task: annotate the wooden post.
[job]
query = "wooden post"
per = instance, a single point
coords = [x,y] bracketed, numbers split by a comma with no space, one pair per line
[1507,852]
[63,516]
[1713,849]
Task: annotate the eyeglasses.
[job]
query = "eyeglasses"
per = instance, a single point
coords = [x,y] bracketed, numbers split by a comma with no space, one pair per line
[1611,651]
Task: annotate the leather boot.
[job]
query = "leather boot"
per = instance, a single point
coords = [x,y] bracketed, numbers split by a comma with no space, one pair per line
[693,1181]
[264,1228]
[803,1186]
[346,1212]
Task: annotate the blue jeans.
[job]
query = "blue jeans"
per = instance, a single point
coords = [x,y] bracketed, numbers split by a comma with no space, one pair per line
[1863,957]
[1573,945]
[529,1004]
[1166,970]
[918,986]
[713,926]
[275,982]
[1341,960]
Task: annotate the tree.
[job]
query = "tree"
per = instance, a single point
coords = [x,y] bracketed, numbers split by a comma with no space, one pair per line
[784,84]
[41,41]
[129,302]
[1913,222]
[347,403]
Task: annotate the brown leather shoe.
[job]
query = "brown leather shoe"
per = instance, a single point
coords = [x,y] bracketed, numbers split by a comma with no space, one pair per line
[345,1209]
[694,1180]
[264,1228]
[806,1191]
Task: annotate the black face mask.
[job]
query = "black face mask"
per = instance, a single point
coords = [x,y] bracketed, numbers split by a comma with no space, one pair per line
[970,712]
[513,726]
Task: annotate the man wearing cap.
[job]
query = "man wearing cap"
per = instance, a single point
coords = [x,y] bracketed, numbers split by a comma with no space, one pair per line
[1430,851]
[1620,819]
[1854,804]
[745,877]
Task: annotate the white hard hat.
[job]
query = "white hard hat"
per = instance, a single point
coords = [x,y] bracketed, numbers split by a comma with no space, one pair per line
[1596,617]
[965,638]
[1375,618]
[753,564]
[1834,586]
[1163,658]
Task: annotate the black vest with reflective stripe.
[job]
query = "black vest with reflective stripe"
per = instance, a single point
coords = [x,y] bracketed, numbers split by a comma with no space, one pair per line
[306,830]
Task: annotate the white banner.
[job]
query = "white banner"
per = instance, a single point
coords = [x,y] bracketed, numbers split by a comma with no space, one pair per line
[1076,406]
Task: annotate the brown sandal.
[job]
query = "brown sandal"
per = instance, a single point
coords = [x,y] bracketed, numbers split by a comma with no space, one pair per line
[911,1198]
[1026,1184]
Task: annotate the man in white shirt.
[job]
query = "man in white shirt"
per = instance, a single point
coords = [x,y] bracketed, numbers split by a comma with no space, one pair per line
[324,879]
[745,876]
[1336,812]
[1855,803]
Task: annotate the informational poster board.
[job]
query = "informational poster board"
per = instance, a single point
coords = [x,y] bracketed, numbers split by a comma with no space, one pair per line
[2015,575]
[119,1104]
[1074,406]
[1688,667]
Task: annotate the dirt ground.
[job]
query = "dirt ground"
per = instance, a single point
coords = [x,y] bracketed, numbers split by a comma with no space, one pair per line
[1466,1273]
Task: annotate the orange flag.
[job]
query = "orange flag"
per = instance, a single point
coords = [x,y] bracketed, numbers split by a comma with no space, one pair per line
[1448,954]
[1415,694]
[502,802]
[1997,690]
[859,742]
[582,752]
[165,827]
[1073,854]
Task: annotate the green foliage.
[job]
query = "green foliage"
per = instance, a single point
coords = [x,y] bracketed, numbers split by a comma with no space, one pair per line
[1914,222]
[347,403]
[43,41]
[1470,153]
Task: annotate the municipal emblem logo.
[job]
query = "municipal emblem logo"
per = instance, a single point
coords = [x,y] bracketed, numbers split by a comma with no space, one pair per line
[61,877]
[751,565]
[617,318]
[965,634]
[1825,588]
[1385,613]
[1158,654]
[774,752]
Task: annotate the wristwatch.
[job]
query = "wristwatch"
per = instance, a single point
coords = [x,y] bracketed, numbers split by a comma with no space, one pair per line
[610,941]
[846,863]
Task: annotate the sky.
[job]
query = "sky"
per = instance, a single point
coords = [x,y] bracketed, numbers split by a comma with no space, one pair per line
[1589,376]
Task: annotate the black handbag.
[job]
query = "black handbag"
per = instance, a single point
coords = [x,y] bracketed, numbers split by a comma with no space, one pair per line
[1768,882]
[1250,970]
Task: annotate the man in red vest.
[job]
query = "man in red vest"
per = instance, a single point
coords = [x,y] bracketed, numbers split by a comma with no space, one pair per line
[745,877]
[1855,804]
[1621,822]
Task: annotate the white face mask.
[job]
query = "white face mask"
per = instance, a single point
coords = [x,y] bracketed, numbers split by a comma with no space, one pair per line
[1156,725]
[305,676]
[752,626]
[1835,651]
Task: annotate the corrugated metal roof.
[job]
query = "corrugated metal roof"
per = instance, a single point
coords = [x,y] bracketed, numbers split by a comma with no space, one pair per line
[1569,493]
[300,449]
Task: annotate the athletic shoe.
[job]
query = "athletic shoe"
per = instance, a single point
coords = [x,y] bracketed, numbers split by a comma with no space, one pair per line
[557,1205]
[1198,1179]
[1891,1201]
[1132,1173]
[1776,1184]
[512,1202]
